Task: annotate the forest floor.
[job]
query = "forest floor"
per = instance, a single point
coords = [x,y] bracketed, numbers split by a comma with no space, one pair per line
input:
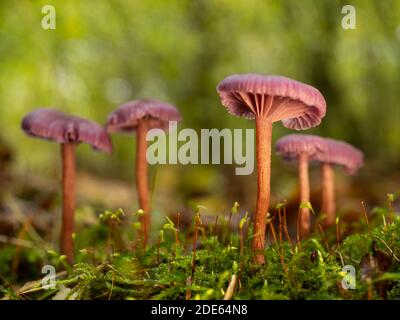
[209,262]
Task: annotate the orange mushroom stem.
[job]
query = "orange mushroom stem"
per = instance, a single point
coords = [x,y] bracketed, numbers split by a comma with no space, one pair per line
[142,178]
[328,194]
[304,186]
[68,194]
[263,145]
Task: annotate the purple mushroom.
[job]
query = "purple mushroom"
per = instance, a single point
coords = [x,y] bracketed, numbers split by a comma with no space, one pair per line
[342,154]
[139,116]
[268,99]
[302,148]
[69,131]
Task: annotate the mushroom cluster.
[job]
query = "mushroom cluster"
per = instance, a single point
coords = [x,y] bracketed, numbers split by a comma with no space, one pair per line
[328,152]
[263,98]
[68,131]
[269,99]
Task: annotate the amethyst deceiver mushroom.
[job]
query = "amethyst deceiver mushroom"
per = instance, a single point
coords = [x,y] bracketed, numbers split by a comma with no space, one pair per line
[67,130]
[301,148]
[139,116]
[342,154]
[268,99]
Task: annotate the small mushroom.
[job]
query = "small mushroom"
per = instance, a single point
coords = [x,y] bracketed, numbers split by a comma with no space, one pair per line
[268,99]
[301,148]
[68,131]
[337,153]
[139,116]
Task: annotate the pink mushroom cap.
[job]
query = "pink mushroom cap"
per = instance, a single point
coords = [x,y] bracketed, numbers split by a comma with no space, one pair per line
[158,114]
[51,124]
[292,145]
[343,154]
[299,106]
[320,149]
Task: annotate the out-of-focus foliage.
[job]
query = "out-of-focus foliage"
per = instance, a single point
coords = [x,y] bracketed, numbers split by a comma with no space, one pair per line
[103,53]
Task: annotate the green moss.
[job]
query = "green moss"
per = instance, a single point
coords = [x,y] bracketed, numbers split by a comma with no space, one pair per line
[292,271]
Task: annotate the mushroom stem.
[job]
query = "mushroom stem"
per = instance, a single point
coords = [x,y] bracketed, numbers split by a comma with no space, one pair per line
[142,178]
[68,190]
[304,185]
[328,194]
[263,149]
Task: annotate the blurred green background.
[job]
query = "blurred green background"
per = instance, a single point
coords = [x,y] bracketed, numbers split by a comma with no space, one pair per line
[103,53]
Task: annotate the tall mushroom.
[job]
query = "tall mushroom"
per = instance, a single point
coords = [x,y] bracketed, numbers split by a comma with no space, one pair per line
[67,130]
[268,99]
[301,148]
[337,153]
[139,116]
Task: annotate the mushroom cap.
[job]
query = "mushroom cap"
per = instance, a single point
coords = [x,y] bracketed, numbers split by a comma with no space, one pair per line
[126,117]
[292,145]
[343,154]
[51,124]
[299,106]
